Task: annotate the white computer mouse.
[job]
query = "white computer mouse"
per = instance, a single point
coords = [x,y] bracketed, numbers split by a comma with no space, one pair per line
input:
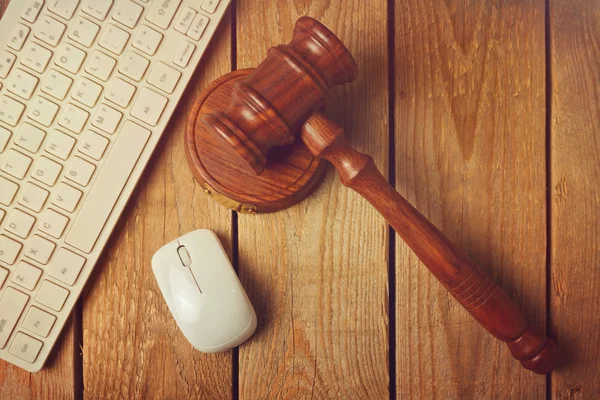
[203,292]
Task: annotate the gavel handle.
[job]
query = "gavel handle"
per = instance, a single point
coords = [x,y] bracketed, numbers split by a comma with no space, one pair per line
[474,290]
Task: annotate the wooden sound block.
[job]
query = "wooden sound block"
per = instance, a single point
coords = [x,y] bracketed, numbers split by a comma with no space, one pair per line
[290,175]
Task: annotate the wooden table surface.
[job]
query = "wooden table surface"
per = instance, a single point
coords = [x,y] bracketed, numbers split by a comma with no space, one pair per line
[486,116]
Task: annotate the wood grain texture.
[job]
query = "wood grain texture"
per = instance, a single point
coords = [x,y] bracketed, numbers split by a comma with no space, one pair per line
[317,273]
[469,118]
[132,347]
[471,287]
[57,379]
[279,103]
[470,152]
[575,207]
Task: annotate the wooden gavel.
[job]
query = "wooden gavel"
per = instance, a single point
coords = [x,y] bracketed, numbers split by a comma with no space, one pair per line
[284,97]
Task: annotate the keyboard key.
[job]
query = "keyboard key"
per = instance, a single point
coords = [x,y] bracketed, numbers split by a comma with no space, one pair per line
[9,250]
[3,274]
[16,164]
[35,57]
[52,296]
[49,30]
[114,39]
[134,66]
[19,223]
[33,197]
[22,84]
[8,191]
[69,57]
[149,106]
[38,321]
[25,347]
[86,92]
[108,186]
[63,8]
[128,13]
[80,171]
[184,21]
[10,111]
[56,84]
[100,66]
[164,77]
[73,118]
[67,197]
[12,305]
[2,214]
[161,13]
[30,138]
[26,275]
[66,266]
[5,135]
[60,145]
[183,54]
[97,9]
[32,10]
[198,26]
[119,92]
[147,40]
[107,119]
[84,32]
[210,6]
[43,111]
[93,145]
[53,223]
[17,39]
[39,249]
[46,171]
[7,60]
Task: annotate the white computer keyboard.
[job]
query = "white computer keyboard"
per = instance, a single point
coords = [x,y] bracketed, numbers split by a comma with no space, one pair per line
[87,88]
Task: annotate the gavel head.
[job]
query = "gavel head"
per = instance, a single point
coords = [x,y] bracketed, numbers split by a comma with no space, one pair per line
[269,107]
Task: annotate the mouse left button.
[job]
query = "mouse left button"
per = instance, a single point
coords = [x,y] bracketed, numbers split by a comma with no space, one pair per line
[184,256]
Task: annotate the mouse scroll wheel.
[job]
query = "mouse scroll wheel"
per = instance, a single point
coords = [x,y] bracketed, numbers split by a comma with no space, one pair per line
[184,256]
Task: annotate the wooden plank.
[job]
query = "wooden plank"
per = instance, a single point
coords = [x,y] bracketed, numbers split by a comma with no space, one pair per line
[57,379]
[317,273]
[575,171]
[470,155]
[132,347]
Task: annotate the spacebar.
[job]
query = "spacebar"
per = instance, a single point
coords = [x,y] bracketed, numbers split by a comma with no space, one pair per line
[108,187]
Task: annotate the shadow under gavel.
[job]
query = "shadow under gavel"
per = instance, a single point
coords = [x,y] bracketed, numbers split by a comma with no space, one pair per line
[284,98]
